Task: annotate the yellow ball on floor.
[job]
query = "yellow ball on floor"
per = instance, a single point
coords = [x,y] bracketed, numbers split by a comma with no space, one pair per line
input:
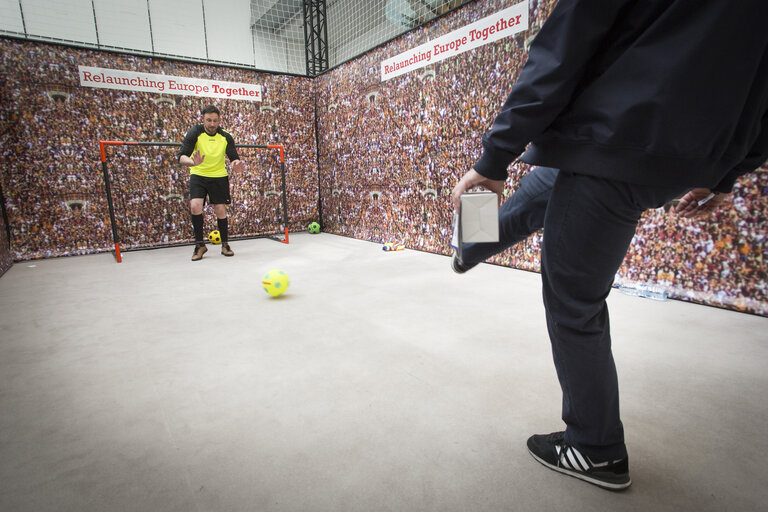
[275,282]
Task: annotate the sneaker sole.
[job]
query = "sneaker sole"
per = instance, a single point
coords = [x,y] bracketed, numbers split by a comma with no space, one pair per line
[454,265]
[611,486]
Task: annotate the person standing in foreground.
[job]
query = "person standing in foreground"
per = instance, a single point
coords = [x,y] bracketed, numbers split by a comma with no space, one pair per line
[635,103]
[203,151]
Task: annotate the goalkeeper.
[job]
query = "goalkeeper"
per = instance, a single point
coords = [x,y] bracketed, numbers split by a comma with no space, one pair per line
[203,151]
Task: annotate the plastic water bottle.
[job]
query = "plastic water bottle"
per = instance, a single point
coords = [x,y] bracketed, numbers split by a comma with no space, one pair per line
[648,291]
[656,292]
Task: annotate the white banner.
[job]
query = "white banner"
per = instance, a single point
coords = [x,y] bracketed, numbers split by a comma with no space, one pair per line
[166,84]
[503,24]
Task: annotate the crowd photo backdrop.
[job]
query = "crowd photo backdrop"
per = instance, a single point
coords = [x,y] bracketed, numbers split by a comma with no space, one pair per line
[52,174]
[391,152]
[372,159]
[6,258]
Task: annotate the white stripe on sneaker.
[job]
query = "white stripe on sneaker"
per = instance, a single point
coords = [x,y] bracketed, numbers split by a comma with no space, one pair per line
[572,458]
[583,463]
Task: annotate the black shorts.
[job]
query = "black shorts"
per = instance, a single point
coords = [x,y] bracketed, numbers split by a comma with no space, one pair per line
[217,189]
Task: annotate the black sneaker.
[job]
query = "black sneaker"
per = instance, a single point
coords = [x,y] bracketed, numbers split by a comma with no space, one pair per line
[197,255]
[456,264]
[552,451]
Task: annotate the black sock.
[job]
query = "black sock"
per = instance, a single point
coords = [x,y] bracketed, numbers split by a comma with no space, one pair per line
[223,225]
[197,223]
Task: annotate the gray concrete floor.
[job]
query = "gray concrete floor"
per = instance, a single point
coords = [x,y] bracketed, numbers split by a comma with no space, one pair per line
[380,381]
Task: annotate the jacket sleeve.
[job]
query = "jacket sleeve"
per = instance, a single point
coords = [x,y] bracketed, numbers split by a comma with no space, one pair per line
[557,61]
[756,157]
[188,144]
[231,149]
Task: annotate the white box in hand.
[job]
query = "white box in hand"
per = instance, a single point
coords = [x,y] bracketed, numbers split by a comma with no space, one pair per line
[479,217]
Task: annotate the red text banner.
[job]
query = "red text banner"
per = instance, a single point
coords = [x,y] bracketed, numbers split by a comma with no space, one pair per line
[166,84]
[503,24]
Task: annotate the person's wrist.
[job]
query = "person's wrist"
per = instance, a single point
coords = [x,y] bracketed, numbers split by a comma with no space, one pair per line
[472,179]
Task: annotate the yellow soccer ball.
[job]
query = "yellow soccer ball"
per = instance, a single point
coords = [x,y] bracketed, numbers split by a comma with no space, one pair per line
[275,282]
[214,236]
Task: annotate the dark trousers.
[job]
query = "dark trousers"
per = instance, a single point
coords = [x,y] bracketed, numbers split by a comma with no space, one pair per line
[588,225]
[521,215]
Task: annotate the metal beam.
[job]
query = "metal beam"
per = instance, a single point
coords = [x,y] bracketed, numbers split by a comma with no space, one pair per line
[315,36]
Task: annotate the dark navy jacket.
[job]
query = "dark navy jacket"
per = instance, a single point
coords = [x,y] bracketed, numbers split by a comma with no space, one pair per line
[665,92]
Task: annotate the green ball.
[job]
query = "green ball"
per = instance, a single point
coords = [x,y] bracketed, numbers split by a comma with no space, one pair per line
[314,228]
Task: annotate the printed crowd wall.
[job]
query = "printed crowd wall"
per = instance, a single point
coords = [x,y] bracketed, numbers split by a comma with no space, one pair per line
[393,141]
[391,150]
[55,109]
[6,258]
